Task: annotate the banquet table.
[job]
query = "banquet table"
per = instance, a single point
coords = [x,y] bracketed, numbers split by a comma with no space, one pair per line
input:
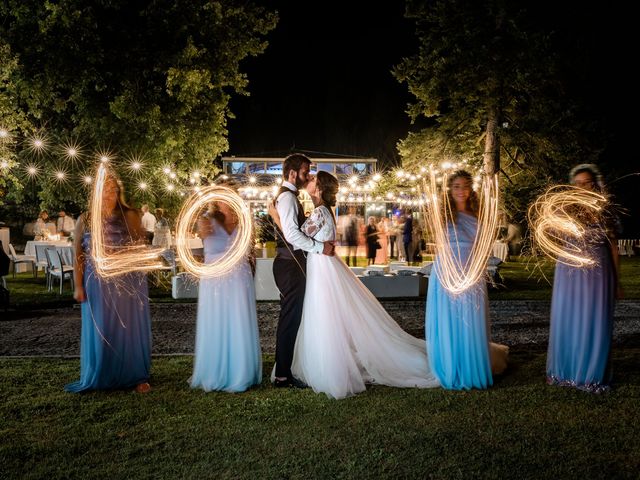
[64,247]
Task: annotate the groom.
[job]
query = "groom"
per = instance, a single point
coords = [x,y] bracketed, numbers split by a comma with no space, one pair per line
[290,264]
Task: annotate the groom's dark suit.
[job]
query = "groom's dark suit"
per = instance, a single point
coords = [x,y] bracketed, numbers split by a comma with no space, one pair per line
[289,271]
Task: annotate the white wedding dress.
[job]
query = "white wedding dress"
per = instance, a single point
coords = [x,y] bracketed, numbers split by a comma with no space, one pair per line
[346,338]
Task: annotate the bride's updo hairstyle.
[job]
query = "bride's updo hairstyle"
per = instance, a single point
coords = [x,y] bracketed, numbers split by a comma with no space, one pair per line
[328,185]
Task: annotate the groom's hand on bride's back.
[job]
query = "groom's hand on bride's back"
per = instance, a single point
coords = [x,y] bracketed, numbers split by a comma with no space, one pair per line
[329,248]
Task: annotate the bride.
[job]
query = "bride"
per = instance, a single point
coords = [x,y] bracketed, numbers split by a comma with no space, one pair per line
[347,339]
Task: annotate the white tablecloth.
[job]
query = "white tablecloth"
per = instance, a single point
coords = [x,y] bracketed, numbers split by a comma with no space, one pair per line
[63,246]
[191,242]
[500,250]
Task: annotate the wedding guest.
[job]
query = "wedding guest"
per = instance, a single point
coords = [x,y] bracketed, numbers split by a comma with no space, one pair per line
[162,231]
[227,351]
[382,254]
[371,239]
[514,238]
[65,224]
[148,223]
[115,340]
[400,221]
[40,230]
[407,236]
[457,328]
[351,236]
[393,236]
[583,300]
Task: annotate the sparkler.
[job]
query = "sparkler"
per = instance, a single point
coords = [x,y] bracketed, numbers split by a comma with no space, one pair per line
[187,219]
[559,220]
[455,275]
[126,258]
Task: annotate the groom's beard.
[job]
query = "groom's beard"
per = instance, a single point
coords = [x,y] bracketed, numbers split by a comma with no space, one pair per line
[301,184]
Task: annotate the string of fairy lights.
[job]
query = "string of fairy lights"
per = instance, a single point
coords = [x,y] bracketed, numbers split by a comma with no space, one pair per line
[69,161]
[78,164]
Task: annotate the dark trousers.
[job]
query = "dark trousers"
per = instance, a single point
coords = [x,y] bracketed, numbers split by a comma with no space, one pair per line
[392,242]
[290,278]
[408,252]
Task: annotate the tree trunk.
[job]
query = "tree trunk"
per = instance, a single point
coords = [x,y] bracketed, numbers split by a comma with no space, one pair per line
[491,157]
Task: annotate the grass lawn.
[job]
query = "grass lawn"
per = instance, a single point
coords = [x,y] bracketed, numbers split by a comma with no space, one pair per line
[519,428]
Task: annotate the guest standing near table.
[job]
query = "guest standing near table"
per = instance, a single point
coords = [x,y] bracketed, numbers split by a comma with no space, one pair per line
[382,254]
[371,240]
[583,302]
[40,230]
[148,223]
[115,342]
[407,236]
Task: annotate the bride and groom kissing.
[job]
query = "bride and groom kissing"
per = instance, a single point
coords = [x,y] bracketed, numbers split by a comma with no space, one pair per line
[333,335]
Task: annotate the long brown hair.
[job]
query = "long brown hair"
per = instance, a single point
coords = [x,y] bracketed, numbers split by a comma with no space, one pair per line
[329,186]
[473,203]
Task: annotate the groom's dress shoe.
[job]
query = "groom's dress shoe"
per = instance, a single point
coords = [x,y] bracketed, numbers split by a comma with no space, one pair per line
[295,383]
[286,383]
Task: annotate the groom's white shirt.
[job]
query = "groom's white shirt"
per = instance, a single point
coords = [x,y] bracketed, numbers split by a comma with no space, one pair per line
[287,208]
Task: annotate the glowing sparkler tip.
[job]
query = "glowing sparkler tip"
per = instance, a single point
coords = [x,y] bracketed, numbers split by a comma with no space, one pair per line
[4,133]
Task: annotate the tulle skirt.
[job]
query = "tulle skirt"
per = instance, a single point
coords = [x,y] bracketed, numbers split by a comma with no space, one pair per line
[347,339]
[227,351]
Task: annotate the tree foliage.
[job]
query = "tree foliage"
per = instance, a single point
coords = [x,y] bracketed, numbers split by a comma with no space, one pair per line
[525,62]
[137,78]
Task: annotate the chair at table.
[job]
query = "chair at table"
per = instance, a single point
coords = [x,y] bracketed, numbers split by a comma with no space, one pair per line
[57,269]
[16,259]
[41,259]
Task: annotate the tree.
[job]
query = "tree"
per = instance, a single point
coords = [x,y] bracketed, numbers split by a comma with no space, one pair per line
[499,79]
[123,79]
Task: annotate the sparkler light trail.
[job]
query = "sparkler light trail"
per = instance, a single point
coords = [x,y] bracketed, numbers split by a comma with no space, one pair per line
[187,219]
[127,258]
[560,218]
[455,275]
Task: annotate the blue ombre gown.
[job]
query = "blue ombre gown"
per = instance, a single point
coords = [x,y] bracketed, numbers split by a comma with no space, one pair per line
[456,325]
[582,309]
[115,343]
[227,352]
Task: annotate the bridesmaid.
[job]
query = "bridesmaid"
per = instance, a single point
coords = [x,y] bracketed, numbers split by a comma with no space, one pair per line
[457,329]
[115,340]
[227,351]
[582,305]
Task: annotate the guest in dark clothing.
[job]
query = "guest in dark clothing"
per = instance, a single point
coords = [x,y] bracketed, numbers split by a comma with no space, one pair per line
[407,236]
[372,240]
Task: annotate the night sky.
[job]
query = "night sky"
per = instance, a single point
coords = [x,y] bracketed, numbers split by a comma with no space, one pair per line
[324,84]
